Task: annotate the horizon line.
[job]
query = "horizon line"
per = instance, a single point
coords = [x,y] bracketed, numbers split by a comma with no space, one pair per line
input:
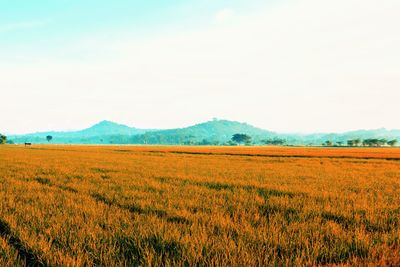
[194,124]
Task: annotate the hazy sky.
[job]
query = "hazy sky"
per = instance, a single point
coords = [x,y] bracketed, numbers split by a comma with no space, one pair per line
[287,65]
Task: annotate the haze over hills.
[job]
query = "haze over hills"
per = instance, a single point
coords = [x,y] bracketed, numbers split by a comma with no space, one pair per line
[102,128]
[107,132]
[95,134]
[215,132]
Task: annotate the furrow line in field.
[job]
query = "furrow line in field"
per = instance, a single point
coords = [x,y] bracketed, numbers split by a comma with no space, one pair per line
[273,156]
[131,208]
[28,256]
[141,211]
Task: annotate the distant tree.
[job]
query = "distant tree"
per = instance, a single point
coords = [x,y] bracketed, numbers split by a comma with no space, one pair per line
[275,141]
[357,141]
[205,142]
[371,142]
[230,143]
[241,138]
[339,143]
[375,142]
[3,139]
[382,142]
[328,143]
[350,142]
[49,138]
[189,140]
[392,142]
[145,138]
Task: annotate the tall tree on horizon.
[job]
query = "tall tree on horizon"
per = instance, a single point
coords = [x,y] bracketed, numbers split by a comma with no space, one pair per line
[241,138]
[392,142]
[3,139]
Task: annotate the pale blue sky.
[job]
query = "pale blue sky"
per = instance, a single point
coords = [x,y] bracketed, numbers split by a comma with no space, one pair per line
[288,66]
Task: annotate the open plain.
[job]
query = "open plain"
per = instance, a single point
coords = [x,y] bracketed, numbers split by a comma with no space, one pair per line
[241,206]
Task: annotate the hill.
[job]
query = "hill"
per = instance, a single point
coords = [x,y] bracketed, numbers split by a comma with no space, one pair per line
[208,133]
[215,132]
[99,133]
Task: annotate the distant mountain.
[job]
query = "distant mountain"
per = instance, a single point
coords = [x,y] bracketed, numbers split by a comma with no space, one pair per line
[215,132]
[110,128]
[211,132]
[96,134]
[318,139]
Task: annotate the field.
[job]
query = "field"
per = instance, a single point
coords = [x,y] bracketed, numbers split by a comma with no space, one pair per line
[224,206]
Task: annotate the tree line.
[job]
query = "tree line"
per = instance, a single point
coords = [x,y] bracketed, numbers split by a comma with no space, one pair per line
[236,139]
[246,140]
[370,142]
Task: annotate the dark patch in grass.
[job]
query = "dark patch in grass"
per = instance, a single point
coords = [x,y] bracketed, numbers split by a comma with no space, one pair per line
[176,181]
[162,214]
[334,251]
[167,249]
[129,249]
[67,188]
[100,198]
[230,233]
[395,212]
[339,219]
[133,209]
[389,224]
[293,215]
[46,172]
[139,210]
[44,181]
[132,249]
[200,209]
[233,234]
[162,179]
[102,170]
[385,226]
[75,176]
[57,243]
[289,214]
[151,189]
[105,177]
[217,186]
[178,220]
[341,252]
[267,193]
[29,257]
[263,192]
[158,213]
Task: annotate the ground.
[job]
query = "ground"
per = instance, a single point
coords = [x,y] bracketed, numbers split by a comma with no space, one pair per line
[237,206]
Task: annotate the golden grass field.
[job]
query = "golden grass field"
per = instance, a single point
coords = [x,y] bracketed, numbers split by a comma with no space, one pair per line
[205,206]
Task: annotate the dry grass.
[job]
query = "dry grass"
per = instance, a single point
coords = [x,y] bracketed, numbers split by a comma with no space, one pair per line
[246,206]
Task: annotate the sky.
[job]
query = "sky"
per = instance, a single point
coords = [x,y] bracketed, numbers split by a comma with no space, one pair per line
[284,65]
